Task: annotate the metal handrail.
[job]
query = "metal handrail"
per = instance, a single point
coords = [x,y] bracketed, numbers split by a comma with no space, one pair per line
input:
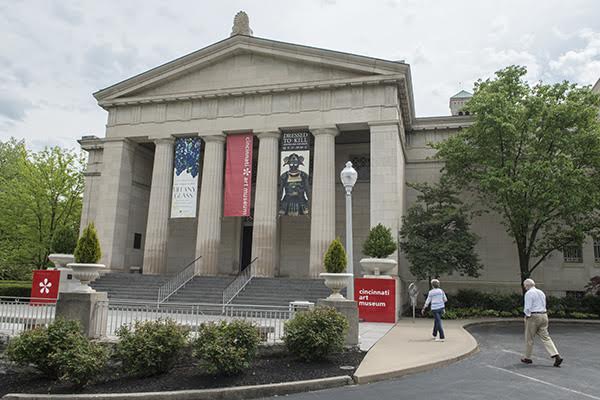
[171,286]
[238,283]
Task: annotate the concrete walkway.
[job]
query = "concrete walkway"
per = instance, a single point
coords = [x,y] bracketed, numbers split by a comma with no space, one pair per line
[408,348]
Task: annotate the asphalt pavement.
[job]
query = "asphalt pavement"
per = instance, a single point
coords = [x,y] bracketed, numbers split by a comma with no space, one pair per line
[496,372]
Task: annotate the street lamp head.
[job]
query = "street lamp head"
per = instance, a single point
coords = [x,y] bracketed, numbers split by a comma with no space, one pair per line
[348,176]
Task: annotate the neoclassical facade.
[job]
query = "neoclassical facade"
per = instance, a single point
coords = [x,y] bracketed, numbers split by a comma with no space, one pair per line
[356,108]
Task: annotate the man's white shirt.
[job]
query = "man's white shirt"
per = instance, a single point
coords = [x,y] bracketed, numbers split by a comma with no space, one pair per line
[535,302]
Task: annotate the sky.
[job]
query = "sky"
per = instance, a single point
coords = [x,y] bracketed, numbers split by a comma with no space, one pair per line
[55,53]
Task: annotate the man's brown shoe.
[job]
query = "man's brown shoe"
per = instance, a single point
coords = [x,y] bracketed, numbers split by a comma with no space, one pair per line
[557,360]
[527,360]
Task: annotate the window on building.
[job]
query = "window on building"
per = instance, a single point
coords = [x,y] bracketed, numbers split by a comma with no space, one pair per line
[362,164]
[573,254]
[137,241]
[597,250]
[577,294]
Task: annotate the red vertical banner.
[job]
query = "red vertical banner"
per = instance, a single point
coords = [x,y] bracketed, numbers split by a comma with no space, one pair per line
[44,286]
[238,175]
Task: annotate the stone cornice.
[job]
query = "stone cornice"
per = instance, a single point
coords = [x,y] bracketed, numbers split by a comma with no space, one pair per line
[256,90]
[443,122]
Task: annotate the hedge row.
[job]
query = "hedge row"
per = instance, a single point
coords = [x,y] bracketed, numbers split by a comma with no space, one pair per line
[15,288]
[472,299]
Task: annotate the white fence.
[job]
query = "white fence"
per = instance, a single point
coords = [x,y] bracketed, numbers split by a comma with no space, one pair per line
[268,319]
[18,314]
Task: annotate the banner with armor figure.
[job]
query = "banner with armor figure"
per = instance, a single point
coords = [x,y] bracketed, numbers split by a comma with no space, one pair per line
[294,184]
[185,177]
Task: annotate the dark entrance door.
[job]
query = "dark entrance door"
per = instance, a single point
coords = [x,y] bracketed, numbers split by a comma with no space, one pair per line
[246,255]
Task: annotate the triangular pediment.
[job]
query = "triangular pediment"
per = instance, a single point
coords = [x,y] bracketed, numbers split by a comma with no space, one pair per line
[241,62]
[246,70]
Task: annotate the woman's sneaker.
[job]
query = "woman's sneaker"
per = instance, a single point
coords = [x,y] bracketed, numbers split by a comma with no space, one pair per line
[440,340]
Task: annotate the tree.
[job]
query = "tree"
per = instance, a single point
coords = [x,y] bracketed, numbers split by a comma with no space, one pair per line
[88,246]
[435,233]
[39,193]
[379,243]
[335,259]
[532,155]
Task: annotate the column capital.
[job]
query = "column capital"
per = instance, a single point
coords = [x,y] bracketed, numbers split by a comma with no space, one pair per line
[390,122]
[324,130]
[163,140]
[217,137]
[271,133]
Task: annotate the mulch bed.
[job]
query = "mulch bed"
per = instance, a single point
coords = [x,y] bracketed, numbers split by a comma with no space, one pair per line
[185,375]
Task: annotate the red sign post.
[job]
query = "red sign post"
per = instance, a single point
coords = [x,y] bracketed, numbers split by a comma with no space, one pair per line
[376,299]
[44,287]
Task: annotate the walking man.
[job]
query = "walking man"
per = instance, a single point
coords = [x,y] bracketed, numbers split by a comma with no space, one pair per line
[437,299]
[536,323]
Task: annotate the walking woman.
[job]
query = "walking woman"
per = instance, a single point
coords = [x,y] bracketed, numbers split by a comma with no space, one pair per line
[437,300]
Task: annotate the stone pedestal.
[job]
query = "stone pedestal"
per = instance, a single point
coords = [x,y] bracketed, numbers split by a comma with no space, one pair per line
[349,309]
[90,309]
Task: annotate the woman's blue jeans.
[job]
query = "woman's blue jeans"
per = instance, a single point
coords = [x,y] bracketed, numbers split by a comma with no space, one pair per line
[437,323]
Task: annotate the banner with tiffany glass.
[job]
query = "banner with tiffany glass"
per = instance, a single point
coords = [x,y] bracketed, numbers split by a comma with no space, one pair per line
[185,177]
[294,183]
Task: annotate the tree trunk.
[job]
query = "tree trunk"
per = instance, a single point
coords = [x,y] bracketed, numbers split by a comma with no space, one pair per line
[523,264]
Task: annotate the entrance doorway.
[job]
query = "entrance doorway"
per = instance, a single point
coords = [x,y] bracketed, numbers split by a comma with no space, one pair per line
[246,253]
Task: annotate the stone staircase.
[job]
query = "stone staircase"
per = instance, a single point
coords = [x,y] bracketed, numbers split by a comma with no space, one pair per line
[281,291]
[205,289]
[131,287]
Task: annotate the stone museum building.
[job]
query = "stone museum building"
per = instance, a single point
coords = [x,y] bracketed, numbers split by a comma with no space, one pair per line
[232,153]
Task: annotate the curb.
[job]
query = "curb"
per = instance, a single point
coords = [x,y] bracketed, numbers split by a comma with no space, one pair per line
[414,370]
[231,393]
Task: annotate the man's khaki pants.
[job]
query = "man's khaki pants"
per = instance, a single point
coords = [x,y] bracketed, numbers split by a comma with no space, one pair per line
[537,324]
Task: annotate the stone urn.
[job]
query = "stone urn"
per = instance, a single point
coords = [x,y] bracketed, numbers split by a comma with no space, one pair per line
[336,282]
[86,273]
[61,260]
[377,266]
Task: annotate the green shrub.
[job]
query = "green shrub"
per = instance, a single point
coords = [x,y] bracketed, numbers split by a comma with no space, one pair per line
[64,240]
[150,347]
[380,243]
[313,335]
[15,288]
[335,258]
[60,351]
[88,246]
[450,315]
[506,314]
[489,313]
[226,348]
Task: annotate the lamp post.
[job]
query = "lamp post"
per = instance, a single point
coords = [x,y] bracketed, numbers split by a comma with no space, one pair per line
[348,176]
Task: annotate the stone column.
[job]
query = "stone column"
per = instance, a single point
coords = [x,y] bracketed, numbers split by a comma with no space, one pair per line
[264,232]
[387,176]
[210,211]
[157,229]
[112,219]
[322,223]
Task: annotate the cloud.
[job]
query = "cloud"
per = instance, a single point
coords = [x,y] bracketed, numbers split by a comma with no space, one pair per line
[581,64]
[13,107]
[67,12]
